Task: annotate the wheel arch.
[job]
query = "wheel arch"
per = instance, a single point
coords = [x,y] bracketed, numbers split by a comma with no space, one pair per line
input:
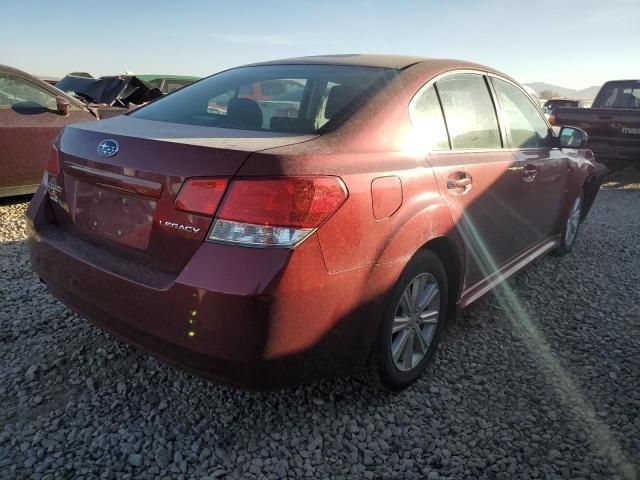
[452,260]
[430,227]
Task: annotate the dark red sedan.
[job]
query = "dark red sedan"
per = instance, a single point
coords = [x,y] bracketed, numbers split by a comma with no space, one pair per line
[32,113]
[264,250]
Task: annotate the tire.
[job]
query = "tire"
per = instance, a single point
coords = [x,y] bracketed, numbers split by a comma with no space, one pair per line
[394,373]
[570,228]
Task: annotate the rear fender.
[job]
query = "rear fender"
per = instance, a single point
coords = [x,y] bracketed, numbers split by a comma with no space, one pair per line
[433,222]
[415,230]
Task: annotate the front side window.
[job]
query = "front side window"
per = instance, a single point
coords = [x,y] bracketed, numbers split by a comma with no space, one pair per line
[469,112]
[278,98]
[16,92]
[526,126]
[426,116]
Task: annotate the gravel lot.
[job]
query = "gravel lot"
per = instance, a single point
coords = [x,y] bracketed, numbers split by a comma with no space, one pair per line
[539,380]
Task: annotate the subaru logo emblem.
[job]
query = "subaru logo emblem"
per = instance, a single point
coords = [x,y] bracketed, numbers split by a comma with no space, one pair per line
[108,148]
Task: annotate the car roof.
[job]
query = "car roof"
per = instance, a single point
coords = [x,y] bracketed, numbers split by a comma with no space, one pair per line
[398,62]
[6,70]
[354,59]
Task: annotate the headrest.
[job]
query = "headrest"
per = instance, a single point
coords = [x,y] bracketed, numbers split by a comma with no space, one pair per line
[339,97]
[243,113]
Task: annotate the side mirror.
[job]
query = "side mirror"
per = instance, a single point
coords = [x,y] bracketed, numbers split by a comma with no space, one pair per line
[572,137]
[62,106]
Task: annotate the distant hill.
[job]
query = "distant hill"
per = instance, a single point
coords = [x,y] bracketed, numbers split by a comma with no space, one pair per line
[565,92]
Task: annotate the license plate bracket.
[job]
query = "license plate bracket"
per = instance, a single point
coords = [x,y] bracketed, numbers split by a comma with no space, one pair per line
[121,217]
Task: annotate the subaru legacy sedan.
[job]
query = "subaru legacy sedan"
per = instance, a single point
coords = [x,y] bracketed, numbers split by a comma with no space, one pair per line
[265,250]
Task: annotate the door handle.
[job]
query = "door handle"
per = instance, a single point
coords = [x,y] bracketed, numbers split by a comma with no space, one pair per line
[529,173]
[459,182]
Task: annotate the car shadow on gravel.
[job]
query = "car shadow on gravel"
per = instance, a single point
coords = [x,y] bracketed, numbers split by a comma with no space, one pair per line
[15,200]
[625,179]
[555,400]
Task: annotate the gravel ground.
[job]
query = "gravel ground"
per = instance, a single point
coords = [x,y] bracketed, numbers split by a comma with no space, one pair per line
[538,380]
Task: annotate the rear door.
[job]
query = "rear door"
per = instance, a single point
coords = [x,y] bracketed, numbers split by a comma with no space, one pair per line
[474,172]
[542,164]
[28,124]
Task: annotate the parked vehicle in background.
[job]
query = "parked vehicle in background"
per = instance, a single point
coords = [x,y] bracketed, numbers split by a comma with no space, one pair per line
[612,122]
[269,253]
[32,113]
[168,83]
[550,105]
[109,95]
[50,80]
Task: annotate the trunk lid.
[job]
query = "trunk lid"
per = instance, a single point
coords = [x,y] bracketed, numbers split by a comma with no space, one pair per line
[125,203]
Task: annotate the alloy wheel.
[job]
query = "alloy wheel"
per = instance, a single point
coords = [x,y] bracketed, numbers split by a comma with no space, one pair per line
[415,322]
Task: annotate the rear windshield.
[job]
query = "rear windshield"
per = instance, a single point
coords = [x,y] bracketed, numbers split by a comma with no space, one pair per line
[279,98]
[620,95]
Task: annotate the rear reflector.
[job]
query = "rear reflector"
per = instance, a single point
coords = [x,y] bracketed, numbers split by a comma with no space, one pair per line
[276,212]
[201,195]
[53,161]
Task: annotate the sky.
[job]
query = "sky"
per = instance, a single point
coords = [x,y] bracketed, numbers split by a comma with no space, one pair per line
[574,44]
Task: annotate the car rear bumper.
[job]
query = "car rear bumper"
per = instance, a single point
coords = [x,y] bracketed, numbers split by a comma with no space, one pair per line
[254,318]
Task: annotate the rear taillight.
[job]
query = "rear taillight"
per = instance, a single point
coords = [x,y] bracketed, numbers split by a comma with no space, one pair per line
[201,195]
[276,212]
[53,161]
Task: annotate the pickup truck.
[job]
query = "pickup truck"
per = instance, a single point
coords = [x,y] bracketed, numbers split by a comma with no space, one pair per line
[612,122]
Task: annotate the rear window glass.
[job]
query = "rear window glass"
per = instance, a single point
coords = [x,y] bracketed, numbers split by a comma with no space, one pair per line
[469,112]
[279,98]
[426,116]
[620,95]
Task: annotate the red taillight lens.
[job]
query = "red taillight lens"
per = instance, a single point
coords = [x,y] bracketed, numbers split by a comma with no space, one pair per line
[301,202]
[201,195]
[53,161]
[278,212]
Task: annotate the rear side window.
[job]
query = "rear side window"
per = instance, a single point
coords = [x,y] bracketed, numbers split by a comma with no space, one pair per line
[278,98]
[469,112]
[526,127]
[426,116]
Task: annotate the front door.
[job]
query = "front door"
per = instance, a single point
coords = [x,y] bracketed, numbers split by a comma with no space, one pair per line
[543,166]
[29,123]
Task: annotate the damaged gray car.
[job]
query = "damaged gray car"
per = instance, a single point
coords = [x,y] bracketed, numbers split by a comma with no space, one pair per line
[109,95]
